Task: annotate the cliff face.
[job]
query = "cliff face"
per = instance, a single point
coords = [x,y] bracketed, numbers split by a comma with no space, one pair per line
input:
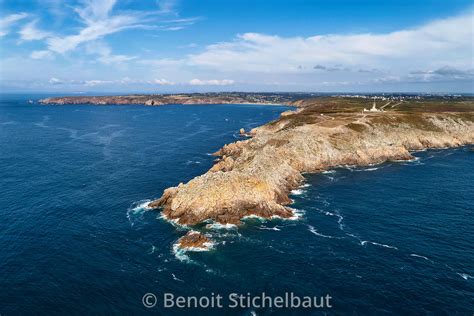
[255,176]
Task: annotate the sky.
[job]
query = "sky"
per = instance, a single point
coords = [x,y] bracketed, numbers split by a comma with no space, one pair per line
[169,46]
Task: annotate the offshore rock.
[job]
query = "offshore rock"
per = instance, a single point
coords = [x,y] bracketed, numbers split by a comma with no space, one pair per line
[194,240]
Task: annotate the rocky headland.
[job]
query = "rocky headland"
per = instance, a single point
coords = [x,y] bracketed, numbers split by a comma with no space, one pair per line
[255,176]
[192,98]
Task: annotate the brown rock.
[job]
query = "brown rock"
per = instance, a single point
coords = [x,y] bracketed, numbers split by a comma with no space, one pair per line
[255,176]
[194,239]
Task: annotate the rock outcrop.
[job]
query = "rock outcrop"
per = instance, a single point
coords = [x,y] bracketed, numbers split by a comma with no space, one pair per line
[255,176]
[194,240]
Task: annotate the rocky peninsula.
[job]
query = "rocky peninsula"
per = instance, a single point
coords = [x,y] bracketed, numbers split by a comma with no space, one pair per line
[255,176]
[190,98]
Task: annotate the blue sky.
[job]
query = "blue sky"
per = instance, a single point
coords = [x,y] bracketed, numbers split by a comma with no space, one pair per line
[214,45]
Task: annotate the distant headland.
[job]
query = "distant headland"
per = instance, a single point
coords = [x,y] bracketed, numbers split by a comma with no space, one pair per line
[185,98]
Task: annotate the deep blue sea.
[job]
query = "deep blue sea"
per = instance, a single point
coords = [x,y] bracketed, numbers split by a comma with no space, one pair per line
[390,239]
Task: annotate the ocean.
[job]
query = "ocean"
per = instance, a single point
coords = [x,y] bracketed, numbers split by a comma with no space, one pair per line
[395,238]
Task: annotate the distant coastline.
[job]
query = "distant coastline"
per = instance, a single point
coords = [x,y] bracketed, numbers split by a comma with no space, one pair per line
[165,99]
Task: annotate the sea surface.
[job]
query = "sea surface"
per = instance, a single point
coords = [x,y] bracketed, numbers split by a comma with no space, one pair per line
[395,238]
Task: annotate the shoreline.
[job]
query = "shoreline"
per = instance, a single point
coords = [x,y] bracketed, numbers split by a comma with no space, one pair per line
[254,177]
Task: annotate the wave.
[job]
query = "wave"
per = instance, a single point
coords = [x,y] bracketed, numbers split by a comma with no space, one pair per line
[253,216]
[153,248]
[269,228]
[369,169]
[219,226]
[173,222]
[365,242]
[176,278]
[315,231]
[465,276]
[340,218]
[420,256]
[190,162]
[137,209]
[181,253]
[298,192]
[297,215]
[328,171]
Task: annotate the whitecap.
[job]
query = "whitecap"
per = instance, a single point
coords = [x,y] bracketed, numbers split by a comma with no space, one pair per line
[153,248]
[328,171]
[297,215]
[174,222]
[181,253]
[365,242]
[269,228]
[176,278]
[137,209]
[369,169]
[315,232]
[140,206]
[189,162]
[420,256]
[219,226]
[465,276]
[253,216]
[297,192]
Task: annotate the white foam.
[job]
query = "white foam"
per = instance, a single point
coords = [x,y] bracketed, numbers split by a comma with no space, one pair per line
[465,276]
[297,192]
[369,169]
[315,231]
[176,278]
[220,226]
[365,242]
[137,209]
[297,215]
[328,171]
[174,222]
[181,253]
[141,206]
[269,228]
[153,248]
[253,216]
[419,256]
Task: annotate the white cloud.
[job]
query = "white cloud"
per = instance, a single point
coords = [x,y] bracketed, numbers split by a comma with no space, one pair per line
[442,42]
[105,53]
[212,82]
[8,21]
[162,82]
[29,32]
[41,54]
[96,15]
[92,83]
[166,5]
[55,81]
